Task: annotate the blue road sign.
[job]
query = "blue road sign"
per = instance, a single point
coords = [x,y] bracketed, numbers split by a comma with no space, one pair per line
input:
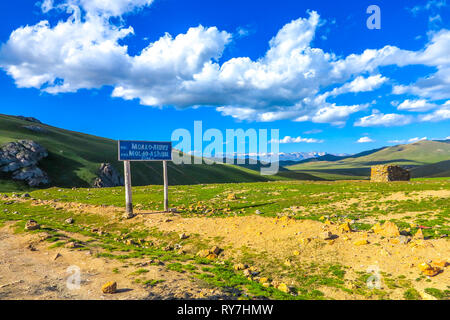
[145,151]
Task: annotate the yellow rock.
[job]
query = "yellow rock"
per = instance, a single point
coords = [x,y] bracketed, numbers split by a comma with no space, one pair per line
[283,287]
[429,270]
[215,250]
[211,256]
[345,227]
[203,253]
[326,235]
[390,229]
[253,269]
[360,242]
[419,234]
[263,280]
[423,266]
[239,266]
[304,240]
[109,287]
[231,196]
[377,228]
[440,263]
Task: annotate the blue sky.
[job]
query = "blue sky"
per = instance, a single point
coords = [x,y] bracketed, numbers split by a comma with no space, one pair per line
[298,66]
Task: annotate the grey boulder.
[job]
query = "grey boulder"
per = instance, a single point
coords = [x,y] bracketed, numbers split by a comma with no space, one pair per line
[108,177]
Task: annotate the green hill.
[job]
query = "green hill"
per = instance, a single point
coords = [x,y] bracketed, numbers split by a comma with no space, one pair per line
[74,159]
[440,169]
[358,166]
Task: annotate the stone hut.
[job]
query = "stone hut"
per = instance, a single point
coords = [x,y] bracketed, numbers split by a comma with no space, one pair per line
[386,173]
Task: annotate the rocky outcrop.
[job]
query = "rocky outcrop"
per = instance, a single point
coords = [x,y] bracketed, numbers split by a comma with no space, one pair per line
[32,175]
[37,129]
[21,159]
[386,173]
[108,177]
[29,119]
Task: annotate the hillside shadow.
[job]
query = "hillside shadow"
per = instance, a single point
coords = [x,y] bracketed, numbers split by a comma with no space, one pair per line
[374,163]
[63,171]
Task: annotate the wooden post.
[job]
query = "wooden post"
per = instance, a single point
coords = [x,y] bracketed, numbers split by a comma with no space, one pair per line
[128,194]
[166,188]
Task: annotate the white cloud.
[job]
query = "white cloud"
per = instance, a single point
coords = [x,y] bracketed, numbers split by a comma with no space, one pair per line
[336,115]
[437,85]
[438,115]
[299,139]
[365,140]
[386,120]
[313,131]
[70,56]
[416,105]
[360,84]
[412,140]
[87,51]
[432,7]
[47,5]
[106,8]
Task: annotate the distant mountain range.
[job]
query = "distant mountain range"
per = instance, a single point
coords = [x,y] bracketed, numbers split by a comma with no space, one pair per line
[74,160]
[285,156]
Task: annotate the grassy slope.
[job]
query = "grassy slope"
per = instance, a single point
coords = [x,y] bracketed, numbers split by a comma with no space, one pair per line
[414,155]
[440,169]
[75,157]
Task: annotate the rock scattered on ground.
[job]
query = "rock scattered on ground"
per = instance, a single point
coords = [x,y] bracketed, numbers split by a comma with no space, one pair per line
[211,254]
[29,119]
[283,287]
[69,221]
[418,235]
[429,270]
[109,287]
[37,129]
[21,158]
[32,225]
[183,236]
[108,177]
[388,229]
[72,245]
[326,235]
